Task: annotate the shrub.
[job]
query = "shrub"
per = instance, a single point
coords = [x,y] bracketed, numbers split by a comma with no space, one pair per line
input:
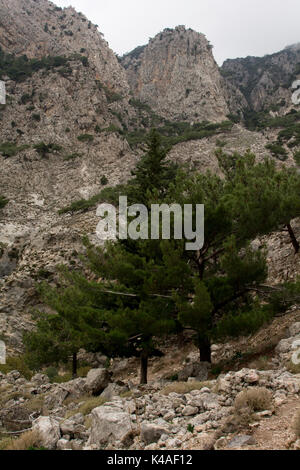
[254,399]
[3,202]
[104,180]
[44,149]
[36,117]
[52,373]
[297,158]
[28,441]
[277,150]
[16,363]
[10,149]
[85,138]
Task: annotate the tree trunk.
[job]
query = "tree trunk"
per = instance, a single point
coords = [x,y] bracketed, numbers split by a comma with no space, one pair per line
[144,367]
[74,365]
[294,240]
[205,350]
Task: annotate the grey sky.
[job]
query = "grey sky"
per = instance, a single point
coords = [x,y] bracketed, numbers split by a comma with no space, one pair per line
[236,28]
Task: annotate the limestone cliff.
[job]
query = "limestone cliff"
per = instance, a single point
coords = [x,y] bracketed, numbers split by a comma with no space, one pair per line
[177,76]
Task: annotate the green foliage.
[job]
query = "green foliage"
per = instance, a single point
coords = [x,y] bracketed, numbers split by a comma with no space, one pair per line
[85,138]
[109,195]
[297,158]
[173,133]
[278,151]
[10,149]
[20,68]
[17,363]
[104,180]
[44,149]
[3,202]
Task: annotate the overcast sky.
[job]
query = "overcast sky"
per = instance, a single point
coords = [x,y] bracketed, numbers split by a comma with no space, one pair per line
[236,28]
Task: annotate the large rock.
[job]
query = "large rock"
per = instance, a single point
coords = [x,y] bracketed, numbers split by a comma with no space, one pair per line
[151,433]
[294,329]
[198,370]
[97,380]
[113,390]
[49,431]
[109,424]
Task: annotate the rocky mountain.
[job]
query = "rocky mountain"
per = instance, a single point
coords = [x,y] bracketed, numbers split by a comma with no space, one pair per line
[176,74]
[260,83]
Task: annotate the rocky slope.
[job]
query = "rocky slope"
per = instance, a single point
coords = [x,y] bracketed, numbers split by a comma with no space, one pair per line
[234,411]
[259,83]
[177,76]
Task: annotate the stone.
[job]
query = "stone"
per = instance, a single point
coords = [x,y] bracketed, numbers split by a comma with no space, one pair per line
[241,441]
[197,370]
[189,410]
[49,431]
[40,379]
[294,329]
[109,423]
[63,444]
[97,380]
[113,390]
[151,433]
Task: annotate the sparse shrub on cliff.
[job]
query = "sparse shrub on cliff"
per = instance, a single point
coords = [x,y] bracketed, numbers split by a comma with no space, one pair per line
[44,149]
[3,202]
[85,138]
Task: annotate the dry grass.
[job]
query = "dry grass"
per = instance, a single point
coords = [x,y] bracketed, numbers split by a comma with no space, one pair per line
[184,387]
[86,404]
[254,399]
[297,424]
[261,363]
[28,440]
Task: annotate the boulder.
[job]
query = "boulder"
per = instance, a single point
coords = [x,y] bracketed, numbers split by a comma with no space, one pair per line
[151,433]
[198,370]
[109,424]
[294,329]
[48,429]
[97,380]
[241,441]
[113,390]
[40,379]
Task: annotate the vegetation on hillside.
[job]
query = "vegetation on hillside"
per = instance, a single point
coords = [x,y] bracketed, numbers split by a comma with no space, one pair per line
[133,291]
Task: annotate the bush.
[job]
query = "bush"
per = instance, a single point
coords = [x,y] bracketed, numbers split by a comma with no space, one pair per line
[30,440]
[16,363]
[20,68]
[44,149]
[277,150]
[3,202]
[297,158]
[10,149]
[52,372]
[104,180]
[85,138]
[254,399]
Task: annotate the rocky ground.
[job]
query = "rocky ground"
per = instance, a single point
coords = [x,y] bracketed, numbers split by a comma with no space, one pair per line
[248,408]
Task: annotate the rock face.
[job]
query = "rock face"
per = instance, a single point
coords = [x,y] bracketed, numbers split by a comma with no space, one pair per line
[177,76]
[39,28]
[257,83]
